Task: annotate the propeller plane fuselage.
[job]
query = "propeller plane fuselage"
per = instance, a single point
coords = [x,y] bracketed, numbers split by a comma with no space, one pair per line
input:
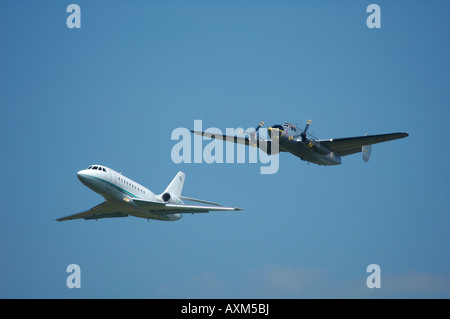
[309,150]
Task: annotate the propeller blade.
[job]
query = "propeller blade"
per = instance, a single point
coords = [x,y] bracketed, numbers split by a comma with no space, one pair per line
[254,135]
[307,125]
[261,124]
[303,134]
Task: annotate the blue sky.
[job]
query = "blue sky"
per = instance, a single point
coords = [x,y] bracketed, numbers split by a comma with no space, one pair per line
[113,91]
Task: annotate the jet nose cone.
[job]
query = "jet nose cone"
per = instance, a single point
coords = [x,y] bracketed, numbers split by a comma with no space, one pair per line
[82,175]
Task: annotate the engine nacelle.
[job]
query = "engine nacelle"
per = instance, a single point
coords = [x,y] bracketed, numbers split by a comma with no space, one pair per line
[318,147]
[170,198]
[366,151]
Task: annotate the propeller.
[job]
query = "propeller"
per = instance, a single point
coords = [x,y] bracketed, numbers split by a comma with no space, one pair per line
[261,124]
[303,134]
[278,130]
[254,135]
[311,142]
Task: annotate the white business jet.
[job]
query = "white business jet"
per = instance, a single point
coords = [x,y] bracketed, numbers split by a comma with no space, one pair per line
[124,197]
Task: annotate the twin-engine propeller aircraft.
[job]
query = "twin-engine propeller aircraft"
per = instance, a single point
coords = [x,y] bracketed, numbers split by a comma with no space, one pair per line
[125,197]
[302,144]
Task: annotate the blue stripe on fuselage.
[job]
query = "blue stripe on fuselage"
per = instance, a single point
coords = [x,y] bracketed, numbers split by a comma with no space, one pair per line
[113,185]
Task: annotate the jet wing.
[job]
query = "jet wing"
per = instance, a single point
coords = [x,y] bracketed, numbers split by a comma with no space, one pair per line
[103,210]
[160,207]
[351,145]
[229,138]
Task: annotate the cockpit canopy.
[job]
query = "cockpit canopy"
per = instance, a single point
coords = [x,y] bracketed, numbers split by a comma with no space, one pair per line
[97,167]
[290,126]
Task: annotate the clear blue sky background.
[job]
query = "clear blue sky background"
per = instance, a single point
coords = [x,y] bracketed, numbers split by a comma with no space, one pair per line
[113,91]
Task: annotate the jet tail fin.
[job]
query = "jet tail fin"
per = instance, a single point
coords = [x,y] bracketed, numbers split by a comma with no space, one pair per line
[176,185]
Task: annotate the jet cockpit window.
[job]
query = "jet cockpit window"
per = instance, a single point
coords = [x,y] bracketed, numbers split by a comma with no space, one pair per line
[97,168]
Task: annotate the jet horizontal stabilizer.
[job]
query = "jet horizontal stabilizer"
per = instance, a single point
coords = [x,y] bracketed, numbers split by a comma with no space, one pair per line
[198,200]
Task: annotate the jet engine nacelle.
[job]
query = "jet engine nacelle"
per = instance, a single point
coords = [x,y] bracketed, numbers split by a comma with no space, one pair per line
[170,198]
